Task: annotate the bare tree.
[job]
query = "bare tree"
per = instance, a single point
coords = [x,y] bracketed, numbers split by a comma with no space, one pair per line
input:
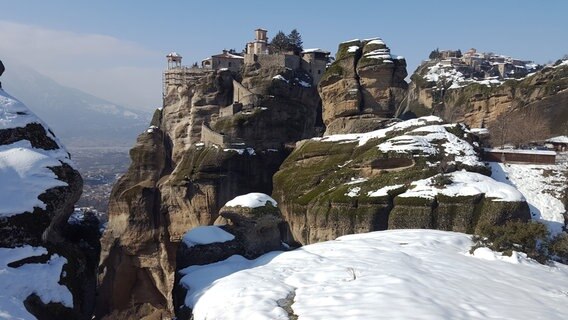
[519,127]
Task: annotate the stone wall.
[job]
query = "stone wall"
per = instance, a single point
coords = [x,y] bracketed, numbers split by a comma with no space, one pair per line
[230,110]
[243,95]
[233,64]
[279,60]
[315,68]
[210,137]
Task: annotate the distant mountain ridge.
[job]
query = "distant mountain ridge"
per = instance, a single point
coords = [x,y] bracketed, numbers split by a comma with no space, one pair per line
[79,119]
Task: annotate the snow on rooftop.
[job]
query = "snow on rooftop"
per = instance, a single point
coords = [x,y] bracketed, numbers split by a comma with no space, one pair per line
[559,139]
[464,183]
[315,50]
[251,200]
[402,274]
[173,54]
[206,235]
[522,151]
[16,284]
[479,131]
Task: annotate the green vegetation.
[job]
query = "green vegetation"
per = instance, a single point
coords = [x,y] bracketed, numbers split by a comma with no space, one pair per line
[441,180]
[292,42]
[156,118]
[372,47]
[558,248]
[333,73]
[367,62]
[343,50]
[530,238]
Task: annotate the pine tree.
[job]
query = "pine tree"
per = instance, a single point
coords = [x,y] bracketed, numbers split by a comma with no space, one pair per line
[280,43]
[295,40]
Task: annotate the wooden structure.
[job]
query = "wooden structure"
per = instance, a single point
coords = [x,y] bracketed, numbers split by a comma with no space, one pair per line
[519,156]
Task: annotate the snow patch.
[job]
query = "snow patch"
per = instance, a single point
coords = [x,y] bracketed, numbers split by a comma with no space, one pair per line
[383,192]
[16,284]
[251,200]
[464,183]
[353,192]
[280,77]
[363,138]
[206,235]
[24,175]
[352,49]
[356,181]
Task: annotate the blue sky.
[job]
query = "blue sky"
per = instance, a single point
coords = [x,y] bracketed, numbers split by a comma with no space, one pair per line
[116,49]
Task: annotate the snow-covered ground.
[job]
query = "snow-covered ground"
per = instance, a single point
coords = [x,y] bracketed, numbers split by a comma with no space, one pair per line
[400,274]
[18,283]
[541,186]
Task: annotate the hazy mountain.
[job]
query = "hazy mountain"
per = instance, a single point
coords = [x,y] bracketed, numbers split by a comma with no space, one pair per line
[79,119]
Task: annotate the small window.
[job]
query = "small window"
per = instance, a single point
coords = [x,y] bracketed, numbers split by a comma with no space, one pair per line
[319,71]
[230,64]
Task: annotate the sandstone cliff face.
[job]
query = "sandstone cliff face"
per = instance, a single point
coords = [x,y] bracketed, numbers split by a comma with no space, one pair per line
[364,84]
[478,105]
[38,190]
[352,183]
[176,182]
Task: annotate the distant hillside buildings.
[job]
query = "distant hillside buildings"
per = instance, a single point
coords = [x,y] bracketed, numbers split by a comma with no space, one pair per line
[479,65]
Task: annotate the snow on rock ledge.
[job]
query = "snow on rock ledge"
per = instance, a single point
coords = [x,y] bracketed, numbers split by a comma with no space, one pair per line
[206,235]
[464,183]
[251,200]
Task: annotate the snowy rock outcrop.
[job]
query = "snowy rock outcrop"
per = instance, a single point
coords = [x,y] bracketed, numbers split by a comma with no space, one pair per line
[419,173]
[44,272]
[362,87]
[248,226]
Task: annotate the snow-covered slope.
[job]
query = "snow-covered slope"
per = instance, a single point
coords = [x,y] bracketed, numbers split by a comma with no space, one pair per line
[541,185]
[402,274]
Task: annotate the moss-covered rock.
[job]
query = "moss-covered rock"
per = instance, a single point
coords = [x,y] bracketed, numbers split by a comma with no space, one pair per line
[328,187]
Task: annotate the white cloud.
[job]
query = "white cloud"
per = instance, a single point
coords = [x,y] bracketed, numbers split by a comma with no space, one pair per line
[117,70]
